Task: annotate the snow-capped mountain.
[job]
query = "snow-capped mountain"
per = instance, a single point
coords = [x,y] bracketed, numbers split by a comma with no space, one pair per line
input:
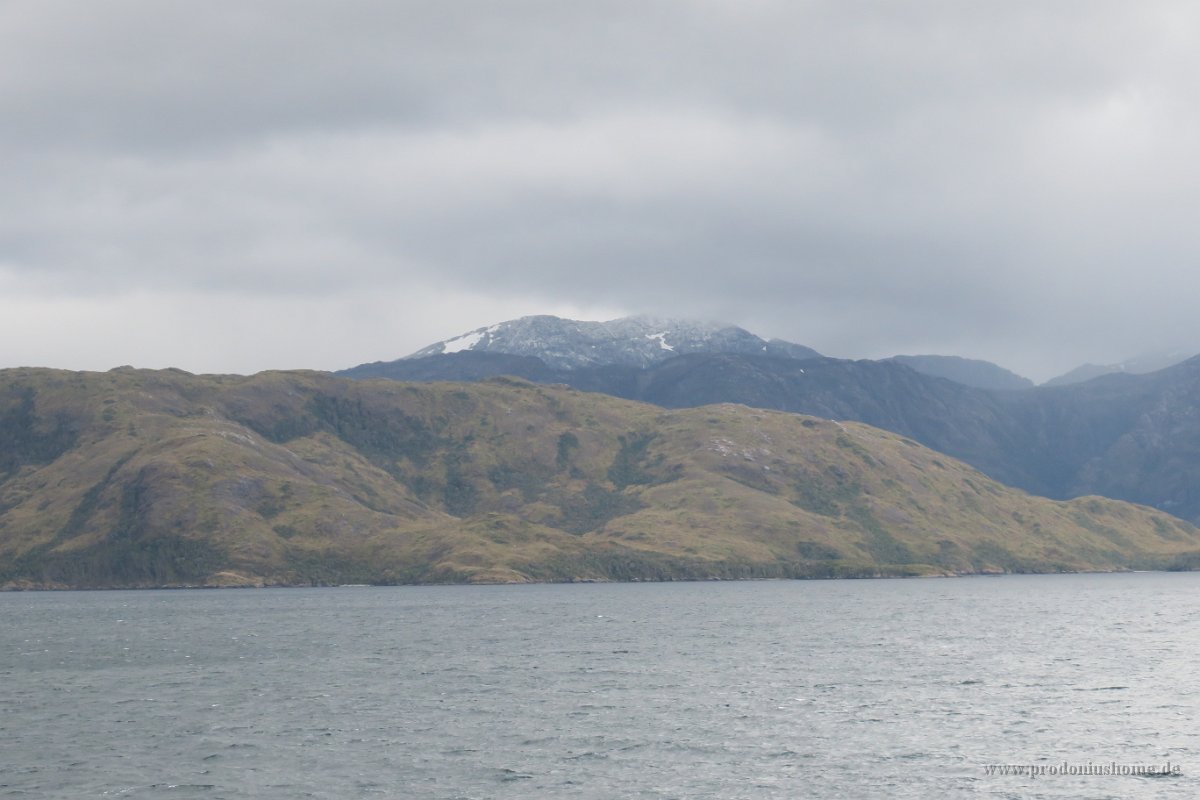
[631,341]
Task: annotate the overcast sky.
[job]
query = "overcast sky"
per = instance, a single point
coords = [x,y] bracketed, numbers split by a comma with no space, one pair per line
[249,184]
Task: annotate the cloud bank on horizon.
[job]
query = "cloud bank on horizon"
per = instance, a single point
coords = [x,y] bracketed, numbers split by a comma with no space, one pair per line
[241,186]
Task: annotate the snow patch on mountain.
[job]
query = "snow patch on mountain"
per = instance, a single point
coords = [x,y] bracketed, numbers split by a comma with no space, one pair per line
[661,338]
[465,342]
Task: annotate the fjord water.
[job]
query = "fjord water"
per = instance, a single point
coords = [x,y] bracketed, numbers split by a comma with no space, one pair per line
[827,689]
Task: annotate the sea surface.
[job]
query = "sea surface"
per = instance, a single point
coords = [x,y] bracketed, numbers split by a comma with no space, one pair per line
[770,689]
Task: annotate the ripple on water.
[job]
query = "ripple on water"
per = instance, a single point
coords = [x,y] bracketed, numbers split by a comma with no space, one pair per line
[759,690]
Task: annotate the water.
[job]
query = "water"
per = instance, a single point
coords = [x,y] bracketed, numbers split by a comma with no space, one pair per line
[826,689]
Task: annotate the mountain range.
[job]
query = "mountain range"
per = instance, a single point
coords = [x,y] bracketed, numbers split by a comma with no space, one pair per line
[1131,437]
[643,341]
[136,478]
[548,449]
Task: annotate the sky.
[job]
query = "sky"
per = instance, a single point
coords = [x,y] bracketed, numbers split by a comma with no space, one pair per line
[260,184]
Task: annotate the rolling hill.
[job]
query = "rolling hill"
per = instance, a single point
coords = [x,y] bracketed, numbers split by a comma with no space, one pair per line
[160,478]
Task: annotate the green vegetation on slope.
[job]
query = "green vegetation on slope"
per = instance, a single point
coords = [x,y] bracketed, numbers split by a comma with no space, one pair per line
[144,478]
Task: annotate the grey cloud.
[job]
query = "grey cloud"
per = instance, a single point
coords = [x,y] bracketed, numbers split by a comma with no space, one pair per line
[135,71]
[1006,180]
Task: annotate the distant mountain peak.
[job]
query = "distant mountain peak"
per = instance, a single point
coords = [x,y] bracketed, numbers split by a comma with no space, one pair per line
[637,341]
[1138,365]
[967,371]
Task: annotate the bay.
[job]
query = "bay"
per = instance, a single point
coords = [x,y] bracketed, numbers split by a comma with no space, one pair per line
[772,689]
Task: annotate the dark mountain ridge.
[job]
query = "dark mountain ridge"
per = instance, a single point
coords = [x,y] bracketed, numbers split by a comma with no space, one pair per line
[967,371]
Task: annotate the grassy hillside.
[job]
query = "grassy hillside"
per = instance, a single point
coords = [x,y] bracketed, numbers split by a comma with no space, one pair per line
[143,478]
